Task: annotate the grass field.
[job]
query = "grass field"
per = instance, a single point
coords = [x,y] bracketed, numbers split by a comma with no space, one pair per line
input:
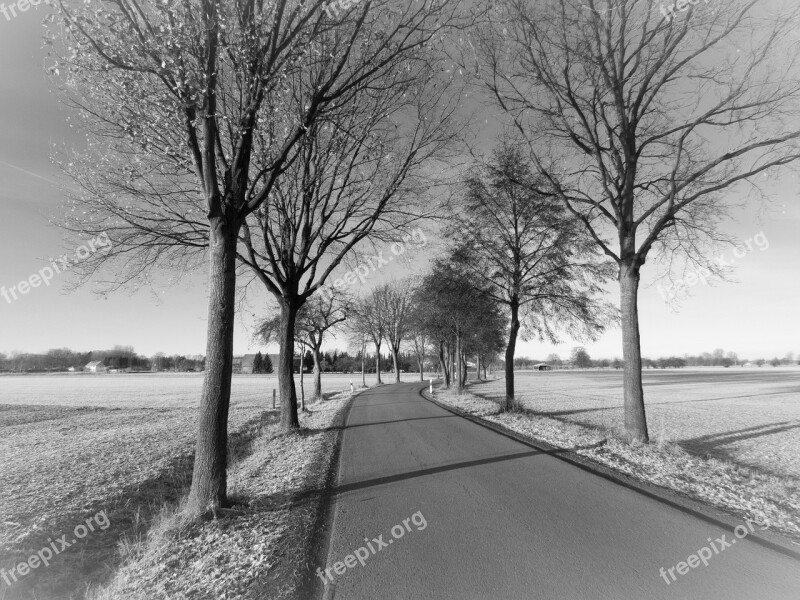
[75,445]
[748,416]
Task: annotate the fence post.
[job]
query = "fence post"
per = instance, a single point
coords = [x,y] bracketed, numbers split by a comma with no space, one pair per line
[273,397]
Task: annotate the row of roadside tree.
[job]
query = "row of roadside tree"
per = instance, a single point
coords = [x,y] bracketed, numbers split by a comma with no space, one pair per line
[273,143]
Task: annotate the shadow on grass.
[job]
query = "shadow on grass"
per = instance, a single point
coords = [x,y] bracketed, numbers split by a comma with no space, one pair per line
[712,445]
[91,562]
[706,446]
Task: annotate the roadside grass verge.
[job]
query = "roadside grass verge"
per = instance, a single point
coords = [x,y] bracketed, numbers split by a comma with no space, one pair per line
[260,547]
[65,465]
[770,500]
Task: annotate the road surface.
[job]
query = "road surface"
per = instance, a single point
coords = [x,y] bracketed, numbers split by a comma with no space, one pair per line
[429,505]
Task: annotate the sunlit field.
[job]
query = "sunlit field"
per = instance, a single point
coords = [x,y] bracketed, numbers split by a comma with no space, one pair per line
[749,416]
[74,445]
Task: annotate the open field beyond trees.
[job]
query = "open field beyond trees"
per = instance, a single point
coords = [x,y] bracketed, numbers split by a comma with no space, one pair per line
[747,416]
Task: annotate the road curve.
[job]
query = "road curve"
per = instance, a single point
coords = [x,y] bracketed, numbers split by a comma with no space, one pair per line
[429,505]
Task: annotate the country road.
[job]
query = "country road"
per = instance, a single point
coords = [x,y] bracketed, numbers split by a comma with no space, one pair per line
[437,507]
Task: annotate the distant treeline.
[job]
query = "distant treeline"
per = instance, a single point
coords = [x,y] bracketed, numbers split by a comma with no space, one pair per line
[125,358]
[120,357]
[719,358]
[342,362]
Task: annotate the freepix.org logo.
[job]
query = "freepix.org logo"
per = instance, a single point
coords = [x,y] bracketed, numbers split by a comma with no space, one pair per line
[9,11]
[101,243]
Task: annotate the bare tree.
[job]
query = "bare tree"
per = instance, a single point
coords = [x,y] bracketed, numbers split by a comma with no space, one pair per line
[393,301]
[361,171]
[455,311]
[643,125]
[358,339]
[194,112]
[529,254]
[368,325]
[421,343]
[317,317]
[171,95]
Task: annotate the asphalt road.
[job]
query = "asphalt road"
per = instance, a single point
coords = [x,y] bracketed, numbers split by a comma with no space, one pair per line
[437,507]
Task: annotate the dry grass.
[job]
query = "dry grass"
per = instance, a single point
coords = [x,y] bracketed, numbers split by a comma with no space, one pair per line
[750,417]
[739,490]
[261,546]
[123,445]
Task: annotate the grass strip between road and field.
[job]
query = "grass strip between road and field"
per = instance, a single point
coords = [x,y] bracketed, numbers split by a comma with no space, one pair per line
[686,480]
[261,547]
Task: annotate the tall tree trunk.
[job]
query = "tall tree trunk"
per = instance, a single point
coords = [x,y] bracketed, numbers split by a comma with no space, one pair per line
[421,363]
[451,358]
[286,386]
[209,477]
[635,419]
[395,352]
[443,362]
[378,364]
[511,349]
[458,370]
[478,368]
[302,384]
[363,366]
[317,375]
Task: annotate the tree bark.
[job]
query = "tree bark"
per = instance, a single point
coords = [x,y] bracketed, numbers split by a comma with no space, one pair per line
[378,364]
[478,368]
[511,349]
[421,364]
[289,419]
[396,365]
[451,358]
[209,477]
[363,366]
[635,419]
[302,383]
[317,375]
[443,363]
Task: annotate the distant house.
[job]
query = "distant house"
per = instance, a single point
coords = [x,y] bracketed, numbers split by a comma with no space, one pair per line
[542,367]
[96,366]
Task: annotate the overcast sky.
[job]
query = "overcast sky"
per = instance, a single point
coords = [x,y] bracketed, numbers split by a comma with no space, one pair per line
[756,316]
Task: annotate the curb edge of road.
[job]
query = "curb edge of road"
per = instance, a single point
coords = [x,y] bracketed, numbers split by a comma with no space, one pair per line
[685,504]
[320,538]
